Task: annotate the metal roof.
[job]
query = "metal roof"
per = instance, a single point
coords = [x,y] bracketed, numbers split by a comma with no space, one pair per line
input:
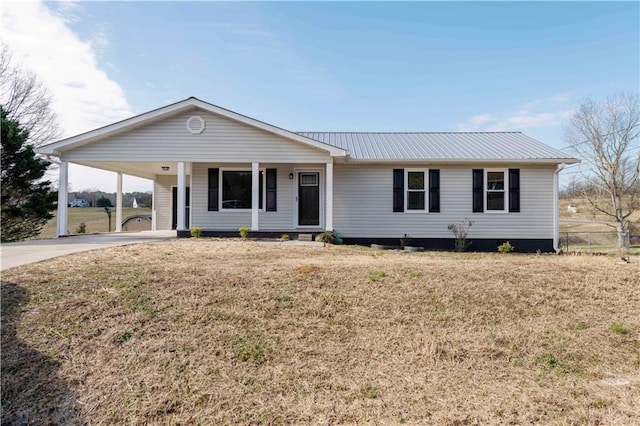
[439,146]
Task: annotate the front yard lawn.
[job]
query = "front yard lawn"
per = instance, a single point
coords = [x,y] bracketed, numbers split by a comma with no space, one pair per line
[238,332]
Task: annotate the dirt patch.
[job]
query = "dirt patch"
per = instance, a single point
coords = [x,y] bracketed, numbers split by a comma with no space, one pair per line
[225,332]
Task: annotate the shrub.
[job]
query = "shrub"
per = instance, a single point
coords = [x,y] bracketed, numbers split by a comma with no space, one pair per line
[196,232]
[244,231]
[505,247]
[285,237]
[326,237]
[82,228]
[460,232]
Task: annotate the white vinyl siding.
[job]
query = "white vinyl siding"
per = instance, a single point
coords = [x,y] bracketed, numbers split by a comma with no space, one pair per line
[162,200]
[223,140]
[363,205]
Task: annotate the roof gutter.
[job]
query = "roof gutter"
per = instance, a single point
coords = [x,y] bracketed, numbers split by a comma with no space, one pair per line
[556,208]
[466,161]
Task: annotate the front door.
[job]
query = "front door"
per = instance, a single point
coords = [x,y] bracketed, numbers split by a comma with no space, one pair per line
[308,199]
[174,211]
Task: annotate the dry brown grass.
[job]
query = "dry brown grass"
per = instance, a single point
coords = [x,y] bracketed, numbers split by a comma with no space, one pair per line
[230,332]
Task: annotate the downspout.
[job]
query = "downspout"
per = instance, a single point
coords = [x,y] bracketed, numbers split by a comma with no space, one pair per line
[556,209]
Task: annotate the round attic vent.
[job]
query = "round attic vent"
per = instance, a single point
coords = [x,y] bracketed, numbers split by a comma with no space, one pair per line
[195,124]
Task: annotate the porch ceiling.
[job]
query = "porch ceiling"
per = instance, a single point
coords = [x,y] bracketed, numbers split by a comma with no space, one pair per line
[146,169]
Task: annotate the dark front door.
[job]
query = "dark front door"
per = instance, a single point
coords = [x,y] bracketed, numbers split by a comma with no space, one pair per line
[174,212]
[308,198]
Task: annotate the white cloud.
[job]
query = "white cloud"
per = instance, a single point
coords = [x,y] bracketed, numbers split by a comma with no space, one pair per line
[543,112]
[84,97]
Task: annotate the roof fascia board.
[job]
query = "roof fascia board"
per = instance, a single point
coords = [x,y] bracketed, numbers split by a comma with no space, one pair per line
[466,161]
[56,148]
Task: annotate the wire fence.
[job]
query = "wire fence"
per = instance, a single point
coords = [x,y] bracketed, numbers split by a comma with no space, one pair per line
[599,242]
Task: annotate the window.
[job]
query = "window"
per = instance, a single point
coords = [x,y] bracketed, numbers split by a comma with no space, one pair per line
[496,191]
[236,189]
[415,190]
[232,189]
[495,194]
[410,190]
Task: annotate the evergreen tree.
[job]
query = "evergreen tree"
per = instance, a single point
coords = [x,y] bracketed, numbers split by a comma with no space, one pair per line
[27,200]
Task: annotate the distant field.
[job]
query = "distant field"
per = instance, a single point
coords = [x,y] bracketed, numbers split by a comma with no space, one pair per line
[95,218]
[585,219]
[200,332]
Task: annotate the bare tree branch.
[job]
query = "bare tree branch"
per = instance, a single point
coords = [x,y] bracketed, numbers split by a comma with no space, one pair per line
[27,100]
[607,135]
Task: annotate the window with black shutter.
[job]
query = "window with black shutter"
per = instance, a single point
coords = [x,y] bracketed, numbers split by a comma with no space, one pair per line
[213,189]
[514,190]
[478,190]
[434,190]
[272,182]
[398,190]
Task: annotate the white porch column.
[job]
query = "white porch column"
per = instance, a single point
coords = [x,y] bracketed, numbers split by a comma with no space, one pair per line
[255,195]
[63,199]
[329,198]
[119,204]
[182,190]
[154,222]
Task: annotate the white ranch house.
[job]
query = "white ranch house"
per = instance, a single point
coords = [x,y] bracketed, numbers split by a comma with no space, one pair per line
[220,170]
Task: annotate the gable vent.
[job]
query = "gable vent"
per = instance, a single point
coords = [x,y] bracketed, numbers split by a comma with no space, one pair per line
[195,124]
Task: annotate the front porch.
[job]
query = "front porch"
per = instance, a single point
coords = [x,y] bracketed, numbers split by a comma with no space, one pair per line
[270,199]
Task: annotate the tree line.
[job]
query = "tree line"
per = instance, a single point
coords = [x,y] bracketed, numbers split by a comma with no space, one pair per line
[97,198]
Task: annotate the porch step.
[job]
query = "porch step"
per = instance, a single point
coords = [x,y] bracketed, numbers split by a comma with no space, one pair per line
[305,237]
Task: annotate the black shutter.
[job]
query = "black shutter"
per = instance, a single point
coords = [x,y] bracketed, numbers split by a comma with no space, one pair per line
[478,189]
[514,190]
[398,190]
[272,178]
[213,189]
[434,191]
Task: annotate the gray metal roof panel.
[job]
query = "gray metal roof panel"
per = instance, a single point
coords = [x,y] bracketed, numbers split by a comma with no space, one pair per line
[439,146]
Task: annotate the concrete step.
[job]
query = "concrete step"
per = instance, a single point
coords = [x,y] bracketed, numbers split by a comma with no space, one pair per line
[305,237]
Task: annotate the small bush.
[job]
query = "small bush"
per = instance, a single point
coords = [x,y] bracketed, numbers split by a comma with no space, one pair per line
[196,232]
[619,329]
[326,237]
[460,232]
[285,237]
[82,228]
[505,247]
[244,232]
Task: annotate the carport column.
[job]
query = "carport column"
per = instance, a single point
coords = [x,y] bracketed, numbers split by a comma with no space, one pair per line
[255,195]
[182,181]
[63,184]
[119,204]
[329,196]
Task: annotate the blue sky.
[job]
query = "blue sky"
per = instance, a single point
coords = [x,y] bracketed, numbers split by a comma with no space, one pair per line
[431,66]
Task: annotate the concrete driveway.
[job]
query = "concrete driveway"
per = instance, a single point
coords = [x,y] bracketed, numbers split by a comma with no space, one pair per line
[25,252]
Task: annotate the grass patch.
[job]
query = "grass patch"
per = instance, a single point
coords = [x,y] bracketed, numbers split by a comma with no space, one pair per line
[250,350]
[619,329]
[376,275]
[236,332]
[366,392]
